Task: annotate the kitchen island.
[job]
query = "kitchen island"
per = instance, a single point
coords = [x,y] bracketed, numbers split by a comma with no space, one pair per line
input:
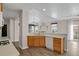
[53,42]
[50,40]
[8,49]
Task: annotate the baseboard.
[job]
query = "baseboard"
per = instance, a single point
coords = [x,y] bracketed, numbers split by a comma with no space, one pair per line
[65,50]
[15,41]
[23,47]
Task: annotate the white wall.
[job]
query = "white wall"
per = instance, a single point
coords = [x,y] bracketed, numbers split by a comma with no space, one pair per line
[24,29]
[63,26]
[16,21]
[1,19]
[12,30]
[8,32]
[1,23]
[20,30]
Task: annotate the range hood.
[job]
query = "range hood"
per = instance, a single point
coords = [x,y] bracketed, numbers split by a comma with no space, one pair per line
[1,15]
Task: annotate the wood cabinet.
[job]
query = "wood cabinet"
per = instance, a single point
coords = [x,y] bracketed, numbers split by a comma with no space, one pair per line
[42,41]
[1,7]
[1,14]
[58,45]
[30,41]
[36,41]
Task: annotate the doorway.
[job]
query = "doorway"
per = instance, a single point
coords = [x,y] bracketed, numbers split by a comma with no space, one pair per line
[73,38]
[75,32]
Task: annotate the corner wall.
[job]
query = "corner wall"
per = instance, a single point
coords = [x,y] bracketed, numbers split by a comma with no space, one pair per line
[23,29]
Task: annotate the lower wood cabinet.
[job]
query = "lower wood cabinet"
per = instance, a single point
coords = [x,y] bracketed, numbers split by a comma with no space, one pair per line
[36,41]
[58,45]
[30,41]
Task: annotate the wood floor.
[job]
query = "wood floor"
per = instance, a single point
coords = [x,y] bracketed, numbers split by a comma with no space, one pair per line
[73,50]
[38,52]
[35,51]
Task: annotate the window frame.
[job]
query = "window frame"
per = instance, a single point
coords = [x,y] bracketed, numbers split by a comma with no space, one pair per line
[30,30]
[55,29]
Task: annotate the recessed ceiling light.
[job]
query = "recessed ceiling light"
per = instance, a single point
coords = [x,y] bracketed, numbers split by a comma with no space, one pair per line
[44,9]
[54,15]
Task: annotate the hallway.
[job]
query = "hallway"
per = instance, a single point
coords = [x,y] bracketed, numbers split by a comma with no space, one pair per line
[73,48]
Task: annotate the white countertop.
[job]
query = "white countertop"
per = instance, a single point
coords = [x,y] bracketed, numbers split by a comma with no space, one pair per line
[58,36]
[8,50]
[52,33]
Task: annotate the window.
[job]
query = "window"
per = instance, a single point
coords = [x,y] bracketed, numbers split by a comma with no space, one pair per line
[54,27]
[75,31]
[33,28]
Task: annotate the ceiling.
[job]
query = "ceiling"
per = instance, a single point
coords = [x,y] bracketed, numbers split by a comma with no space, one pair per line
[53,10]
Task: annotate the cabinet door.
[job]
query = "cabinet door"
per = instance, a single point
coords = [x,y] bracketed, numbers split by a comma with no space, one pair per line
[1,7]
[58,45]
[42,41]
[1,14]
[30,41]
[36,42]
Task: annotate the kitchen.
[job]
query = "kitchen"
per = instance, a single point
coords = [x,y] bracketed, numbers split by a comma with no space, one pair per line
[38,27]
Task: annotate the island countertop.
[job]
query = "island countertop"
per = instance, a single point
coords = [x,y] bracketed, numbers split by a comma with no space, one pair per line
[8,50]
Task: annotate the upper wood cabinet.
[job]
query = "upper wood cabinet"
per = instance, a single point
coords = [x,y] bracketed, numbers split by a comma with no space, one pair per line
[1,14]
[36,41]
[1,7]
